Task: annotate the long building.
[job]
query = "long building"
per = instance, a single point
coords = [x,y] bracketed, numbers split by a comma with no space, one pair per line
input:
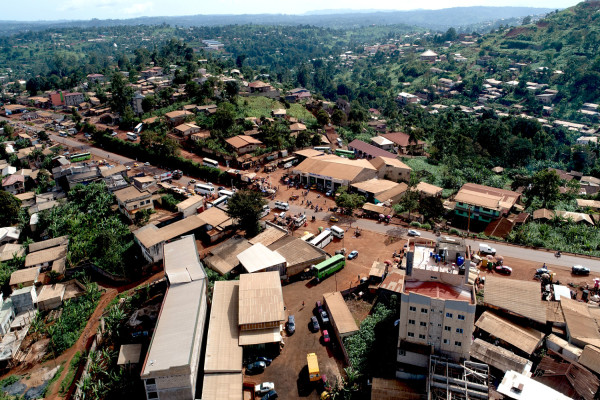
[170,369]
[334,171]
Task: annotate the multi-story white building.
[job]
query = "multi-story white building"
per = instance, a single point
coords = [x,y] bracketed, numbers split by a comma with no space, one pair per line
[437,312]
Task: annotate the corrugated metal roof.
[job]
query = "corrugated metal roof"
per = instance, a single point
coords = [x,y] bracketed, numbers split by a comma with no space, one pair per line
[223,352]
[519,297]
[581,324]
[181,261]
[590,358]
[498,357]
[340,313]
[222,387]
[261,298]
[43,256]
[259,257]
[523,338]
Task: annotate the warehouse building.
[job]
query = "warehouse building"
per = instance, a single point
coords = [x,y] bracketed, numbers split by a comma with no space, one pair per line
[170,369]
[298,254]
[260,258]
[331,170]
[380,190]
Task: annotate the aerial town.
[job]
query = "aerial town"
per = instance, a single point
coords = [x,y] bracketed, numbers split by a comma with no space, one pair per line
[410,214]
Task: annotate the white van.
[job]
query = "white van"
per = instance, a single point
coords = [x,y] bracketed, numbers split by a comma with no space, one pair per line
[202,188]
[282,205]
[485,249]
[265,211]
[337,232]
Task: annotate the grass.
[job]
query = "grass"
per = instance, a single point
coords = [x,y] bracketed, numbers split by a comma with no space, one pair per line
[262,106]
[421,164]
[73,366]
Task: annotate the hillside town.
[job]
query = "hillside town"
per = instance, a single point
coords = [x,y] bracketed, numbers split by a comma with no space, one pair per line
[190,231]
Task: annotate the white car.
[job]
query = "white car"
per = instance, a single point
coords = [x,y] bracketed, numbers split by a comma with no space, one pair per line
[264,387]
[412,232]
[147,164]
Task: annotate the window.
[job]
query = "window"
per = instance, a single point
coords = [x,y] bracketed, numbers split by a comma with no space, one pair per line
[412,308]
[421,336]
[448,315]
[411,321]
[458,344]
[150,381]
[459,330]
[447,328]
[410,334]
[401,352]
[461,317]
[424,310]
[152,395]
[445,341]
[423,323]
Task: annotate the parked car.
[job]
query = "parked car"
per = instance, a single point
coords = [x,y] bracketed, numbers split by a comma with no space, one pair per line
[485,249]
[128,168]
[329,193]
[256,367]
[264,387]
[412,232]
[333,219]
[192,181]
[503,269]
[580,270]
[147,164]
[266,360]
[326,337]
[114,134]
[324,317]
[271,394]
[314,324]
[541,271]
[353,254]
[291,325]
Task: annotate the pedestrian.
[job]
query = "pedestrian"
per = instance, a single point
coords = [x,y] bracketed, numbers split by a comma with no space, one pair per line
[302,303]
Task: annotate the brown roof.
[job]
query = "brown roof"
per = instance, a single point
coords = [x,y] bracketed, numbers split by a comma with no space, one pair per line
[222,386]
[335,167]
[12,179]
[258,84]
[394,281]
[45,256]
[429,189]
[400,138]
[112,171]
[9,250]
[268,236]
[518,297]
[369,149]
[223,354]
[131,193]
[261,298]
[177,114]
[581,325]
[499,228]
[591,358]
[523,338]
[543,213]
[297,127]
[378,186]
[223,258]
[296,251]
[340,313]
[498,357]
[150,235]
[567,377]
[51,292]
[242,141]
[487,196]
[24,276]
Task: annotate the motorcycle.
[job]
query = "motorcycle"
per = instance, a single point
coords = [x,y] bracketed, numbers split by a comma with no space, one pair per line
[557,254]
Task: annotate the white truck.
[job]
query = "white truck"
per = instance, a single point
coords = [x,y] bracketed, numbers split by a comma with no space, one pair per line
[485,249]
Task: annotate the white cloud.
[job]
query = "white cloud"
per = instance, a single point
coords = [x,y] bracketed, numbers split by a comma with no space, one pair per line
[138,8]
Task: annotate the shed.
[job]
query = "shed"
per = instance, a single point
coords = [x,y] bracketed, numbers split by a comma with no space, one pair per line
[51,297]
[129,354]
[499,357]
[260,258]
[24,277]
[523,338]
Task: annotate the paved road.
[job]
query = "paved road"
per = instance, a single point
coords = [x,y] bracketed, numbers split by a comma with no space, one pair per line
[541,256]
[94,150]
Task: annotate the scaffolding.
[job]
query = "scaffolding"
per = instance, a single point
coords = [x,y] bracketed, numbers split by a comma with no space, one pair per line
[448,381]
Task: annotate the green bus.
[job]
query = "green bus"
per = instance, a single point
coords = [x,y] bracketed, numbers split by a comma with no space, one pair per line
[329,266]
[80,157]
[344,153]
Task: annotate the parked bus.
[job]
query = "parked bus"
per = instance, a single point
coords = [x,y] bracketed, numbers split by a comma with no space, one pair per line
[322,239]
[337,232]
[344,153]
[207,162]
[202,188]
[220,201]
[324,149]
[329,266]
[138,128]
[313,367]
[227,193]
[80,157]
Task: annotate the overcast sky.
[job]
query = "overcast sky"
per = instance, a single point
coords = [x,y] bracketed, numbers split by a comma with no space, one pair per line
[119,9]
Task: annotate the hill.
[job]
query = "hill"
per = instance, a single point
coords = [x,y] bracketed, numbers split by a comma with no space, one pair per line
[465,17]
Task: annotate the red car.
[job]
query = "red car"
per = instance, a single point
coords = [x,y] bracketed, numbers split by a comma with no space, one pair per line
[326,338]
[503,269]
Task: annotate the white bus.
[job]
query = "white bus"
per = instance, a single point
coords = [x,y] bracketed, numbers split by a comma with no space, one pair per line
[322,239]
[220,201]
[201,188]
[337,232]
[138,128]
[207,162]
[282,205]
[227,193]
[324,149]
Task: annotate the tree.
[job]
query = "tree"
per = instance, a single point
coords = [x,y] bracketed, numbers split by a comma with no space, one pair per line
[431,207]
[246,206]
[121,93]
[545,185]
[349,201]
[338,117]
[322,117]
[9,208]
[224,117]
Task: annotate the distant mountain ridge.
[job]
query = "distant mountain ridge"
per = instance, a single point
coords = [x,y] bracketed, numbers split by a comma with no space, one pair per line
[430,19]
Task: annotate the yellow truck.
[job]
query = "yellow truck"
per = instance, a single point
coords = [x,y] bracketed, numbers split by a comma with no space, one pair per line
[313,367]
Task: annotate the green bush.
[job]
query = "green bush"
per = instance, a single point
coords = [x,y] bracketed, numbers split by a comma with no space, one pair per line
[415,224]
[426,225]
[454,231]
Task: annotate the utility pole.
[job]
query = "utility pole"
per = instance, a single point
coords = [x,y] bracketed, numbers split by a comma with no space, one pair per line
[469,220]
